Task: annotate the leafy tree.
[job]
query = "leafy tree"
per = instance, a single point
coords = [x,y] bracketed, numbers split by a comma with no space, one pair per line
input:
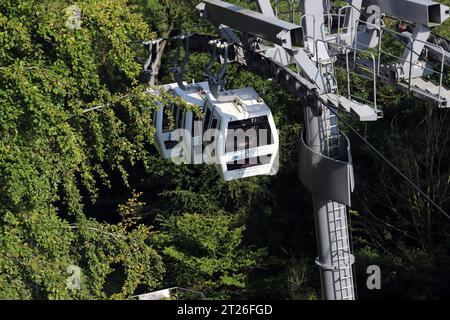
[71,114]
[206,254]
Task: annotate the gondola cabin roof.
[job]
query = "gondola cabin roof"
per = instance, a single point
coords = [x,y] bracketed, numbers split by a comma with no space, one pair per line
[195,94]
[247,105]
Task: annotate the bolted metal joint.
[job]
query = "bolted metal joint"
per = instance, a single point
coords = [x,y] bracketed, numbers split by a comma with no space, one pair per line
[324,266]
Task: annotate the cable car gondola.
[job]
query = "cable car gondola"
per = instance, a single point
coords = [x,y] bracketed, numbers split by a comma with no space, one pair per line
[168,144]
[240,134]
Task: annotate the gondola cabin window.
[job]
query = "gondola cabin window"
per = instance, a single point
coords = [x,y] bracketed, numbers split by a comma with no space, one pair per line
[166,127]
[249,133]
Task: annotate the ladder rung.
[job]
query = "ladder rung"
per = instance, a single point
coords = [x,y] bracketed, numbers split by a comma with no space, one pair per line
[344,253]
[341,251]
[344,244]
[341,239]
[345,288]
[340,207]
[344,250]
[342,264]
[345,267]
[344,258]
[347,271]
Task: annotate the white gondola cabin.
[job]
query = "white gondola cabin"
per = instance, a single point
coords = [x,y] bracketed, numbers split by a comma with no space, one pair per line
[245,142]
[167,138]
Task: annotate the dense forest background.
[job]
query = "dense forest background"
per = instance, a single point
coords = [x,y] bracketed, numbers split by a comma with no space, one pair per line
[81,185]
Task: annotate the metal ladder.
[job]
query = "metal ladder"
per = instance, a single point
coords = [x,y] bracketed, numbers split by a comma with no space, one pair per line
[329,134]
[341,258]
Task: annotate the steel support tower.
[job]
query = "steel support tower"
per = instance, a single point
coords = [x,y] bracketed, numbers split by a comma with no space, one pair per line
[325,164]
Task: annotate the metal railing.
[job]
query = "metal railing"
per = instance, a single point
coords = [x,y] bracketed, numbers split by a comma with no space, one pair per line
[350,18]
[349,72]
[313,38]
[440,73]
[407,65]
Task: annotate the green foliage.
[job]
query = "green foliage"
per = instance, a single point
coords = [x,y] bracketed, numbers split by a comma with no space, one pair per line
[71,113]
[206,254]
[406,273]
[75,142]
